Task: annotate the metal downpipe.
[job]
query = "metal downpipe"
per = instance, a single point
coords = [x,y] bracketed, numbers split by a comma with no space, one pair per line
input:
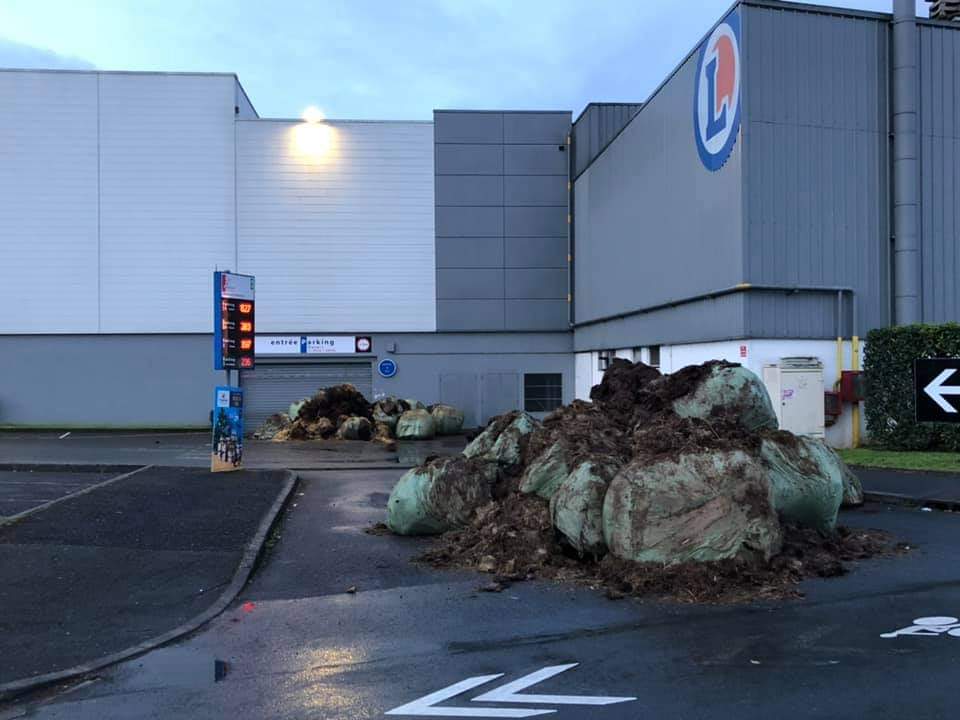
[906,205]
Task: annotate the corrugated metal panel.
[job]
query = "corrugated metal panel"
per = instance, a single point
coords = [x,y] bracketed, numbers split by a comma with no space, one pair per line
[815,173]
[653,225]
[721,318]
[166,198]
[939,161]
[271,388]
[48,202]
[596,127]
[342,240]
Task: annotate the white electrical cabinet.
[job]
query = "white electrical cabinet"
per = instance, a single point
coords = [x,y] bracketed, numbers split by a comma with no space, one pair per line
[795,385]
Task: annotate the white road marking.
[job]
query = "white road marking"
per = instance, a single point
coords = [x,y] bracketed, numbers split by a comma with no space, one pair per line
[509,693]
[929,627]
[936,390]
[424,706]
[66,434]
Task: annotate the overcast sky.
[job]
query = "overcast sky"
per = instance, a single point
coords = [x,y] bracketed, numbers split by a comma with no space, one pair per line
[391,59]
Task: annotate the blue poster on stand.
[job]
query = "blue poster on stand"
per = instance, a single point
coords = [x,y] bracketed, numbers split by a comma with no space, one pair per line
[227,450]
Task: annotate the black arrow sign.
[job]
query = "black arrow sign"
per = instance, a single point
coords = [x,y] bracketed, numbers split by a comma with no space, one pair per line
[937,389]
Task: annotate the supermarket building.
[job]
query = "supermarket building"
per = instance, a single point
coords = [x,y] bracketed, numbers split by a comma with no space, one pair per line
[792,182]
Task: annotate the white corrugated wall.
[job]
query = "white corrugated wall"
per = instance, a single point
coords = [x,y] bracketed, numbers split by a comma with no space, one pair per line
[166,199]
[337,223]
[48,202]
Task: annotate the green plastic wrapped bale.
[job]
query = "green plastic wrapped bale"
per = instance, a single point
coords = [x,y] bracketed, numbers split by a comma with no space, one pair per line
[412,404]
[502,441]
[806,477]
[439,496]
[731,391]
[447,419]
[576,509]
[294,410]
[699,507]
[355,428]
[852,488]
[544,474]
[415,425]
[387,410]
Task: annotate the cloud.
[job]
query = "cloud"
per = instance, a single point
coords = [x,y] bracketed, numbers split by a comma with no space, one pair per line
[18,55]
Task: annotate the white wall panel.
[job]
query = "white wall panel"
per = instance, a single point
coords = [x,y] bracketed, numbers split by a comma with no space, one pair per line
[337,223]
[48,202]
[167,198]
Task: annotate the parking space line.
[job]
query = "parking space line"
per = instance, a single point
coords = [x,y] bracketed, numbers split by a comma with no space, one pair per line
[83,491]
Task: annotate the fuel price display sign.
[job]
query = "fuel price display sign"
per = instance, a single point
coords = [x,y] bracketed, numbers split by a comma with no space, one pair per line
[234,321]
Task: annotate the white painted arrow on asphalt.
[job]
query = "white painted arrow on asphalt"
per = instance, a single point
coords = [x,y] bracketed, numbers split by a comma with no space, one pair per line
[936,390]
[509,693]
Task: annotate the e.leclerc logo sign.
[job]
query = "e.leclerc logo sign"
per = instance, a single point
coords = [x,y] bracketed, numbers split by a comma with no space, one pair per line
[716,96]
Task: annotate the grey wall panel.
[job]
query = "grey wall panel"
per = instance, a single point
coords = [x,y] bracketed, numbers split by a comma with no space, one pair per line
[704,321]
[469,190]
[470,252]
[534,222]
[509,194]
[108,370]
[535,190]
[107,374]
[536,283]
[939,129]
[536,252]
[815,139]
[470,314]
[534,160]
[469,221]
[652,224]
[597,125]
[469,159]
[539,127]
[462,390]
[474,284]
[469,127]
[499,393]
[536,314]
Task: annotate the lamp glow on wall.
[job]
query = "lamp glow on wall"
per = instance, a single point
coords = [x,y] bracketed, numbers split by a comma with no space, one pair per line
[313,139]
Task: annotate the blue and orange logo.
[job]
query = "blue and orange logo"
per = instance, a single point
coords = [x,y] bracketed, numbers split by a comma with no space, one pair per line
[716,96]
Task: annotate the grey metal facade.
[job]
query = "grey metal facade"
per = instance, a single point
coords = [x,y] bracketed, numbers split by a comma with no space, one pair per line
[595,128]
[653,226]
[939,106]
[816,167]
[501,220]
[803,203]
[164,380]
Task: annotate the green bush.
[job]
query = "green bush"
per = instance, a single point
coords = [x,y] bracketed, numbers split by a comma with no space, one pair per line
[888,367]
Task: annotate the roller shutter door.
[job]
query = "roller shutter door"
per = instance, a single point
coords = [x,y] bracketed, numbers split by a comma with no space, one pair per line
[271,388]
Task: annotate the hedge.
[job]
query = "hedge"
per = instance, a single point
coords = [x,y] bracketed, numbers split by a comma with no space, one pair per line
[888,369]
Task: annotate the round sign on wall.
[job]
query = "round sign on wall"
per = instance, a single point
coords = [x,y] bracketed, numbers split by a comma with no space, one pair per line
[387,368]
[716,95]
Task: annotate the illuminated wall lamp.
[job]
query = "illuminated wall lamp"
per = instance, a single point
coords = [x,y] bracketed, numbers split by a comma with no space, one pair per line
[313,139]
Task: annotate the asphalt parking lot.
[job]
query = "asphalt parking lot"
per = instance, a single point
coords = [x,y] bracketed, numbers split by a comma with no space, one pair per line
[413,642]
[22,490]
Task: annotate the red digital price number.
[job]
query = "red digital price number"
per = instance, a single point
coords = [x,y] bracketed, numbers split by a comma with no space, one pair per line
[237,329]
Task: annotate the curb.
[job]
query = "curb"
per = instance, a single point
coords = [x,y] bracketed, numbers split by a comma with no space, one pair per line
[10,520]
[912,501]
[9,691]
